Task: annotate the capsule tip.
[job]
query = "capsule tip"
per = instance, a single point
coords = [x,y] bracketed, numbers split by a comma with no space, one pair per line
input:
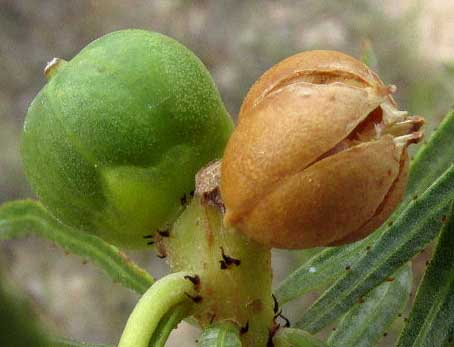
[52,67]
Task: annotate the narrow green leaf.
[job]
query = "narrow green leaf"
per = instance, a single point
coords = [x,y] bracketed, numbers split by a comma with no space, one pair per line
[64,342]
[288,337]
[220,335]
[418,224]
[428,164]
[431,321]
[19,218]
[168,323]
[366,322]
[320,270]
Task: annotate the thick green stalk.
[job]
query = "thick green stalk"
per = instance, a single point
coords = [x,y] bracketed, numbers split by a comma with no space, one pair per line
[151,308]
[234,272]
[170,322]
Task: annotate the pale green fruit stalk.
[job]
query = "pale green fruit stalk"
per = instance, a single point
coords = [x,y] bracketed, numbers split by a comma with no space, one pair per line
[152,307]
[234,271]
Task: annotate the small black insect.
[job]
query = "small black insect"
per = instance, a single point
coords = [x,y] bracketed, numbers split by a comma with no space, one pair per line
[184,199]
[149,237]
[194,279]
[287,322]
[228,261]
[281,316]
[276,304]
[244,329]
[278,313]
[196,298]
[164,233]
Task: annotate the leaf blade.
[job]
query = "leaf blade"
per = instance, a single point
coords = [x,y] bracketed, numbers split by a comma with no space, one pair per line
[366,322]
[431,322]
[319,270]
[19,218]
[290,337]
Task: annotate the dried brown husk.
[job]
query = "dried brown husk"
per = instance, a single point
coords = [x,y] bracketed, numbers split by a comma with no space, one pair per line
[319,154]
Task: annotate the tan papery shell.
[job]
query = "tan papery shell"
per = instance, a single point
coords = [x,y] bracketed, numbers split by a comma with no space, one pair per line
[319,153]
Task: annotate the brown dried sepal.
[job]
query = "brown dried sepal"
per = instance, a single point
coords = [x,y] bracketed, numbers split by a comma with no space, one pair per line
[207,183]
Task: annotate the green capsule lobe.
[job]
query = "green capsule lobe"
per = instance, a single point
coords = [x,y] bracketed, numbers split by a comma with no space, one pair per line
[112,143]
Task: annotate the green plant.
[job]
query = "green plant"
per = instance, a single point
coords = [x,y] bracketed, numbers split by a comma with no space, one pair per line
[220,278]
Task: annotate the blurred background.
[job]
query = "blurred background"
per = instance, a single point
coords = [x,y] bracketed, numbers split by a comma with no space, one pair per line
[238,40]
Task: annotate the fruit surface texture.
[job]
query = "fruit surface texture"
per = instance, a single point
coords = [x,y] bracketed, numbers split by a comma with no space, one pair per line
[112,143]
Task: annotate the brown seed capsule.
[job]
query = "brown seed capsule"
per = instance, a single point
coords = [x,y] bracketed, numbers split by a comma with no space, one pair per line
[319,154]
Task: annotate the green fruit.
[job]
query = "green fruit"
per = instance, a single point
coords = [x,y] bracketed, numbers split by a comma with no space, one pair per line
[112,143]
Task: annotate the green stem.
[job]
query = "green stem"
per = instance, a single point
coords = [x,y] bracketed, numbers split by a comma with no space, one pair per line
[235,272]
[168,323]
[169,291]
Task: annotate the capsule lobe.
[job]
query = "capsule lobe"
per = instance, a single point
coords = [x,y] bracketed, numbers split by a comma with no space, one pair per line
[319,154]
